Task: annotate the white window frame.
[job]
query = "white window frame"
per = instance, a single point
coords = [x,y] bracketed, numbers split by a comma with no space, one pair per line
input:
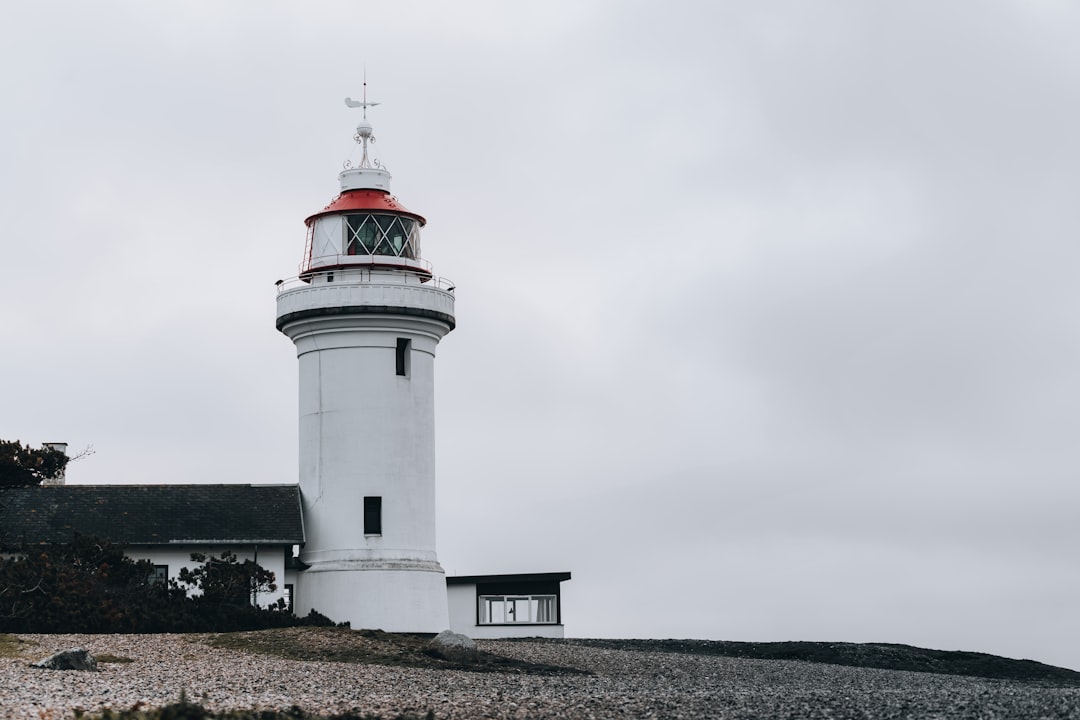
[511,606]
[409,233]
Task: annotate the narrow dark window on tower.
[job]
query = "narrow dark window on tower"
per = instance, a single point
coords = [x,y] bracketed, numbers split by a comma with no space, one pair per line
[403,348]
[373,515]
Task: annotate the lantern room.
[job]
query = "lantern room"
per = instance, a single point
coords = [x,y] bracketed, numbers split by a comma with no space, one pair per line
[364,229]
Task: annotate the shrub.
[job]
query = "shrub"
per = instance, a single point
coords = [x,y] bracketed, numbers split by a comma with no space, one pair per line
[90,586]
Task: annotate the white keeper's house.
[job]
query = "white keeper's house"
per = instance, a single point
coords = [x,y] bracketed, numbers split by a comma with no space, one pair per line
[366,314]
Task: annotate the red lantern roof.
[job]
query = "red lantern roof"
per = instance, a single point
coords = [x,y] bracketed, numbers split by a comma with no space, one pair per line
[365,199]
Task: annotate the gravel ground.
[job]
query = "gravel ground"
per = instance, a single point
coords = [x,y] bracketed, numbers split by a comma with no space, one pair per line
[625,684]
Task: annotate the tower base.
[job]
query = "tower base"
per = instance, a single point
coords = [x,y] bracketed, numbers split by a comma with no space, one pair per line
[392,600]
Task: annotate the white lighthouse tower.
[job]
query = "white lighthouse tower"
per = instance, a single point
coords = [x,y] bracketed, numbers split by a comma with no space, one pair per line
[366,314]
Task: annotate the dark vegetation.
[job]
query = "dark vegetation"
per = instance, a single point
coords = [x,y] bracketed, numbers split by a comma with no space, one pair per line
[10,646]
[90,586]
[373,647]
[184,710]
[24,466]
[885,656]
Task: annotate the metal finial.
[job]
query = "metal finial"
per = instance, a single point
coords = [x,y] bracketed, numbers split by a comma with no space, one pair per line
[364,130]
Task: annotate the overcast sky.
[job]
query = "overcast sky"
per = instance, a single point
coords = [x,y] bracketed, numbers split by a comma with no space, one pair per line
[767,311]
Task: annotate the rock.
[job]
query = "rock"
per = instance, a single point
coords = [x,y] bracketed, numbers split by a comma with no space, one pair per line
[455,647]
[74,659]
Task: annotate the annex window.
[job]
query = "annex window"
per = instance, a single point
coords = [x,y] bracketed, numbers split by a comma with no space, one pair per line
[404,350]
[391,235]
[510,609]
[159,575]
[287,596]
[373,515]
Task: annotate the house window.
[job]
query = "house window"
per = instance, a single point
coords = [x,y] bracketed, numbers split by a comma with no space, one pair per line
[159,575]
[373,515]
[287,594]
[514,609]
[404,347]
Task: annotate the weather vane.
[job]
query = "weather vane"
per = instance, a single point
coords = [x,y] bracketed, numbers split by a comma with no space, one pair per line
[361,103]
[364,130]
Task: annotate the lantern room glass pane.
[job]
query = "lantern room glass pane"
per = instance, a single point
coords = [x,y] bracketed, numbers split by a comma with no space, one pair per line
[361,235]
[385,223]
[414,239]
[412,245]
[382,235]
[395,237]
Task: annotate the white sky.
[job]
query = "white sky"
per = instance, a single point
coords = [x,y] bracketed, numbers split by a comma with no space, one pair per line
[767,310]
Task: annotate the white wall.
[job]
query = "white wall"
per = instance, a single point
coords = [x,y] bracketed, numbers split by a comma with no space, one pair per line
[271,558]
[462,600]
[392,600]
[366,431]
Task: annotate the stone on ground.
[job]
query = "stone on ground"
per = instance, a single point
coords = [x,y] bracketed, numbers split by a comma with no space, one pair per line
[455,647]
[73,659]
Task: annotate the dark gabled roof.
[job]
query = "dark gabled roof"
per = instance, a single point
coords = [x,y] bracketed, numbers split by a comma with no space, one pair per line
[152,514]
[556,577]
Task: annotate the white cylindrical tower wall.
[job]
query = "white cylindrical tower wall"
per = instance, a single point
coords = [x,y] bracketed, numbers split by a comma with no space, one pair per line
[367,430]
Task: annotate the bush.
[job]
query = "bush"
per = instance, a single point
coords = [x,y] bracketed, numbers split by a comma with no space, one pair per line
[185,710]
[24,466]
[90,586]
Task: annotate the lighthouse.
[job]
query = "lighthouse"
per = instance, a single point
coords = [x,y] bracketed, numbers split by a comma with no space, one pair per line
[366,313]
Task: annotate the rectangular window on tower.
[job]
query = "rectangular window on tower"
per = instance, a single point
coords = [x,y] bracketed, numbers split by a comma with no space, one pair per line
[404,350]
[373,515]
